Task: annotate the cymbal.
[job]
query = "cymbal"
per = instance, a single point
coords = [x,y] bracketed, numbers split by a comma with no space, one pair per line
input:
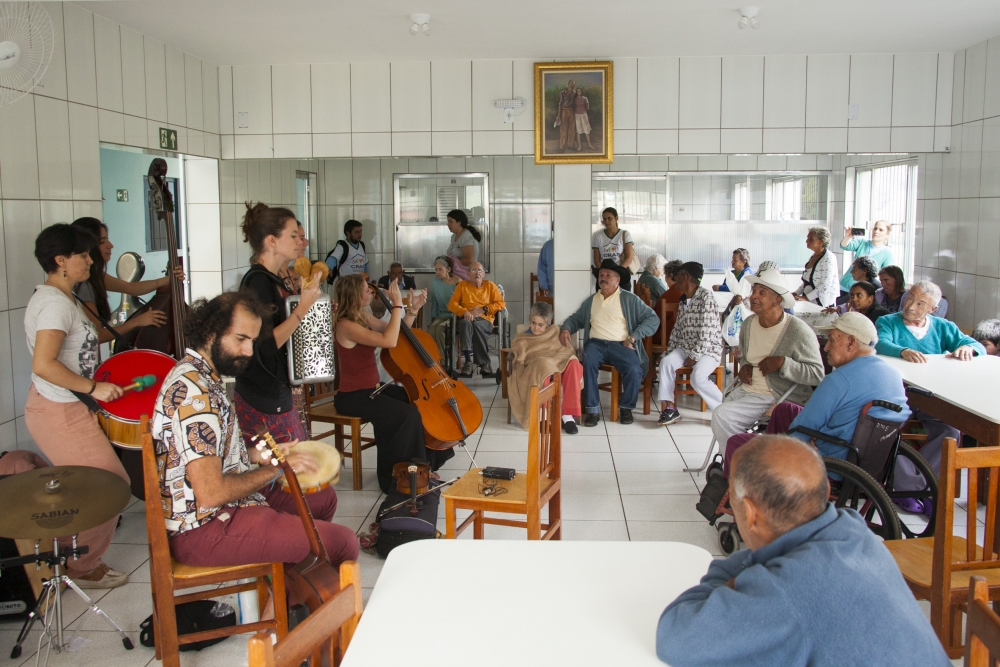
[59,501]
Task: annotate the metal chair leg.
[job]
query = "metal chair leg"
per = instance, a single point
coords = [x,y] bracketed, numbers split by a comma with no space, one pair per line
[708,457]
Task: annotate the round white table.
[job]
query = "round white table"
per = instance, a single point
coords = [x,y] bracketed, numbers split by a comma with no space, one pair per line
[481,603]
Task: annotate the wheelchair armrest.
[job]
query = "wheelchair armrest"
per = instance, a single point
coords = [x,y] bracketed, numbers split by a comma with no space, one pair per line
[878,403]
[818,435]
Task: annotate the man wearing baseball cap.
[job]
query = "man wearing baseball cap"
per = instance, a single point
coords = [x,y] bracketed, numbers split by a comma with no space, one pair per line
[860,376]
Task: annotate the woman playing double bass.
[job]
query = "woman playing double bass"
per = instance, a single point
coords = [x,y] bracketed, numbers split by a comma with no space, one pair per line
[399,430]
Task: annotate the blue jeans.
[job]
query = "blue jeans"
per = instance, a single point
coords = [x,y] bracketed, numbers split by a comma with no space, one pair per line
[597,352]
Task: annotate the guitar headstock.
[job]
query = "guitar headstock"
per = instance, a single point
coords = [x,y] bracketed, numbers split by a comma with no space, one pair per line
[270,451]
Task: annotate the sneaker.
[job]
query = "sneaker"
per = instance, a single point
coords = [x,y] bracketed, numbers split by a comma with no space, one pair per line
[669,416]
[591,419]
[101,576]
[625,416]
[910,505]
[570,427]
[466,371]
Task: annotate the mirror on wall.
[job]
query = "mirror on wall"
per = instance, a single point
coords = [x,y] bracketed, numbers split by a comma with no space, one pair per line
[421,203]
[703,217]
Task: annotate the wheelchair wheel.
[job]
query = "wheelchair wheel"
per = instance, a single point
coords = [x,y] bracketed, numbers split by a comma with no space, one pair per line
[859,491]
[729,538]
[928,494]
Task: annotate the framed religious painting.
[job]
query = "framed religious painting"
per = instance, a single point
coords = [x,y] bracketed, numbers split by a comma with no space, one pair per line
[574,109]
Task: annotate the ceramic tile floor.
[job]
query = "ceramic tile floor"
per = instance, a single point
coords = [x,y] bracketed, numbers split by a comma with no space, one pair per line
[620,483]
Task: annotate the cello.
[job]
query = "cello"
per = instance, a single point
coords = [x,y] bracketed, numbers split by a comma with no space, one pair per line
[168,338]
[448,408]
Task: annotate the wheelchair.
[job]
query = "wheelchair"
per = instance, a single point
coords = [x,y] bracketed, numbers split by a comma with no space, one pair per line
[500,339]
[862,482]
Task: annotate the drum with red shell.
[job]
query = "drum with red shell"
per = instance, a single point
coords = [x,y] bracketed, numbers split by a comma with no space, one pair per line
[121,423]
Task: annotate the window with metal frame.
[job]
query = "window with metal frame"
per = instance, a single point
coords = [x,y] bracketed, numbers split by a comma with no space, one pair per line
[888,192]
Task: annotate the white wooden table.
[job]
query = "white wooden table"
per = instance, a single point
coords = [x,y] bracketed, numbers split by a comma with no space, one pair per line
[482,603]
[963,392]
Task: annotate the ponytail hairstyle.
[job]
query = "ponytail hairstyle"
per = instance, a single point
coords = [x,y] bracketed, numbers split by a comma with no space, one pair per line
[95,228]
[459,216]
[262,221]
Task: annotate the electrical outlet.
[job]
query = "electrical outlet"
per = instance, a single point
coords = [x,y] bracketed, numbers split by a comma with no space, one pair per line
[508,115]
[243,119]
[852,111]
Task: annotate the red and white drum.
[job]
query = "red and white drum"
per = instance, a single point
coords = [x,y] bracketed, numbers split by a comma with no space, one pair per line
[121,421]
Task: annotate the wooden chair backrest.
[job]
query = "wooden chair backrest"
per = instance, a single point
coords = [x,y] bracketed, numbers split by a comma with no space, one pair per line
[543,298]
[544,431]
[156,528]
[319,392]
[328,630]
[972,459]
[668,318]
[643,293]
[982,627]
[531,289]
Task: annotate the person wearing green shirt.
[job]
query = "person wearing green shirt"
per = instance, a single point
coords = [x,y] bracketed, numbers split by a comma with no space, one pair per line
[878,249]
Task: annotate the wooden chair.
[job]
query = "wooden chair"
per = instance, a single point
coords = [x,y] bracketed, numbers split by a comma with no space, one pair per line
[320,408]
[938,568]
[544,298]
[324,636]
[531,289]
[614,385]
[982,627]
[683,386]
[528,492]
[168,576]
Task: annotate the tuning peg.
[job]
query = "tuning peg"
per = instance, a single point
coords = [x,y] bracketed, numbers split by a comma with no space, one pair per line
[274,462]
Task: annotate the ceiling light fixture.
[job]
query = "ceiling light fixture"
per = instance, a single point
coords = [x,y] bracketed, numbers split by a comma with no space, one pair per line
[748,17]
[420,22]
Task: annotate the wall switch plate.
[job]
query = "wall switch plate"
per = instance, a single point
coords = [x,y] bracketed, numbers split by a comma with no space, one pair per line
[852,111]
[508,115]
[243,119]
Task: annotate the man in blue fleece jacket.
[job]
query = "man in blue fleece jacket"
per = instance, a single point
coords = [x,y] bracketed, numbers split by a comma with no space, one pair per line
[912,333]
[816,587]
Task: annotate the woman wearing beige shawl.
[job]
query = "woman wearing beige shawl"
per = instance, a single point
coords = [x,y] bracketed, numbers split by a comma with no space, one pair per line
[535,355]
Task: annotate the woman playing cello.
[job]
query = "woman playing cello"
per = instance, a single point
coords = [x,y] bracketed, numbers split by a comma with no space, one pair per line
[399,431]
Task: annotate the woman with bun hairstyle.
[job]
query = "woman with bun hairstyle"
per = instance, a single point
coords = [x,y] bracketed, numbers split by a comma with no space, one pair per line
[465,239]
[263,393]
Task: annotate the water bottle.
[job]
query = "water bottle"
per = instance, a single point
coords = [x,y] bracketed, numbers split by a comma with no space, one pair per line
[247,602]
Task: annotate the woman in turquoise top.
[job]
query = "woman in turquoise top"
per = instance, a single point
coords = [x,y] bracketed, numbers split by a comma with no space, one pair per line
[878,249]
[441,290]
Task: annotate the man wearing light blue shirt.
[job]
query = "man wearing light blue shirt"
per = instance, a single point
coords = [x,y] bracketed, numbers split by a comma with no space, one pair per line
[546,269]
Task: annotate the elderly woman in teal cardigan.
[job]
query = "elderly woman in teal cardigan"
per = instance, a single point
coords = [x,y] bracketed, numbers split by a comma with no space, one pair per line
[911,334]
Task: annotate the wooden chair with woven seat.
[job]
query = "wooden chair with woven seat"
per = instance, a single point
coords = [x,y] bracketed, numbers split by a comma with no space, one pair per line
[614,385]
[528,492]
[982,627]
[938,568]
[320,408]
[323,637]
[168,576]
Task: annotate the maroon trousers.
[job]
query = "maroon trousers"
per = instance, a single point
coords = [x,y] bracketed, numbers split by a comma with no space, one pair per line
[266,534]
[781,420]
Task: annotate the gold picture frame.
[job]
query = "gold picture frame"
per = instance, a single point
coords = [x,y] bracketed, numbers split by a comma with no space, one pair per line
[574,121]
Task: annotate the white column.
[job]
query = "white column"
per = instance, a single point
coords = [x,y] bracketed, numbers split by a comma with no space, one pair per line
[204,227]
[572,213]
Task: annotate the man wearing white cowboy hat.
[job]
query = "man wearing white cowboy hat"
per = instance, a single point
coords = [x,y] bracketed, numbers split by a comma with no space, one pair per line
[861,376]
[779,351]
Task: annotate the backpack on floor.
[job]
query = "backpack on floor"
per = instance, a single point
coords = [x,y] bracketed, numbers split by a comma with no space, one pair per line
[398,527]
[192,617]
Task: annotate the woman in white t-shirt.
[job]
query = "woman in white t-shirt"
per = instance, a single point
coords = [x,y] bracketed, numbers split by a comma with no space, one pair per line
[465,240]
[612,242]
[63,344]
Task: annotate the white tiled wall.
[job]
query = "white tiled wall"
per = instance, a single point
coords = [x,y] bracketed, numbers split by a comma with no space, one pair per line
[958,207]
[107,83]
[694,105]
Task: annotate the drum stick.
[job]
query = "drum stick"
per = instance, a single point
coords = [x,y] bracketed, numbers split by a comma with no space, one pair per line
[140,383]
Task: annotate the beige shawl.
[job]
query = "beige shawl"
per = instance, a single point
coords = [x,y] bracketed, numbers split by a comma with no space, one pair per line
[533,359]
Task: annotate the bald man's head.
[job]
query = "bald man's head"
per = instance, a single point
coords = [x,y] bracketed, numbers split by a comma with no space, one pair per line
[783,477]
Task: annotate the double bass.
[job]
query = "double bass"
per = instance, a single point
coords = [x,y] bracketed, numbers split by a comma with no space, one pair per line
[168,338]
[448,408]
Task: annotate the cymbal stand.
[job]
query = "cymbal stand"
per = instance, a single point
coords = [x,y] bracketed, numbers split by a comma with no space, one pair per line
[49,606]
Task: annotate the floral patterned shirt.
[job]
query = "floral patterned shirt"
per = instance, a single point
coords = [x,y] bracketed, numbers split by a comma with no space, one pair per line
[192,418]
[698,330]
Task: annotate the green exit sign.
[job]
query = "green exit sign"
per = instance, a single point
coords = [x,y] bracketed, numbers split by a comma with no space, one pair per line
[168,139]
[121,195]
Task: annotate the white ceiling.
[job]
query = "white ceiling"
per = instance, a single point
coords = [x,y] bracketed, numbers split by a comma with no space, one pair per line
[310,31]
